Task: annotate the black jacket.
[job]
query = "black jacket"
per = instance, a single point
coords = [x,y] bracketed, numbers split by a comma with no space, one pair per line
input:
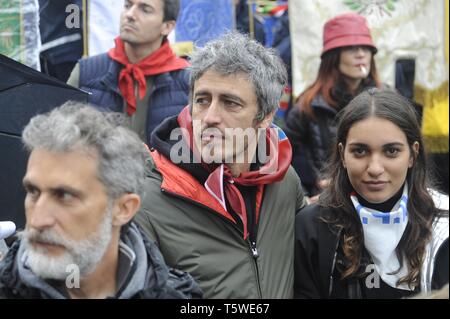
[318,258]
[160,281]
[311,140]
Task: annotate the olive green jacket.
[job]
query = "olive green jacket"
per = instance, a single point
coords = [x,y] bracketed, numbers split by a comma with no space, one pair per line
[178,213]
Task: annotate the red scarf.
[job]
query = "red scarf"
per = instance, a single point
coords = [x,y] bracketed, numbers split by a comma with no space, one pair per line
[161,61]
[221,183]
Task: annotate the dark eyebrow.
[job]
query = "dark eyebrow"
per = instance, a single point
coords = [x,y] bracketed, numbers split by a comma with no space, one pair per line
[232,97]
[27,184]
[393,144]
[204,92]
[385,145]
[63,188]
[67,189]
[146,5]
[357,144]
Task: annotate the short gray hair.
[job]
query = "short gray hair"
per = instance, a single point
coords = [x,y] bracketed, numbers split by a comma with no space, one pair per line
[235,52]
[78,126]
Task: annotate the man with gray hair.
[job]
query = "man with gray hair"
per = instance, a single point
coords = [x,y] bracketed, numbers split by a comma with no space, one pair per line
[221,196]
[84,183]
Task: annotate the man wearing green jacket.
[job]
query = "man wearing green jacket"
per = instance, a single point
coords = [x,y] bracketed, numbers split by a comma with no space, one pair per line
[221,196]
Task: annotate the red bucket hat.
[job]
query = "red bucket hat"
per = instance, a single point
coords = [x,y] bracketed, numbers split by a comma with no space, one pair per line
[346,30]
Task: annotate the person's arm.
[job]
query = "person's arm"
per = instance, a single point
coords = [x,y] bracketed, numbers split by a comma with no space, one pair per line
[301,198]
[440,274]
[297,131]
[306,267]
[74,78]
[293,128]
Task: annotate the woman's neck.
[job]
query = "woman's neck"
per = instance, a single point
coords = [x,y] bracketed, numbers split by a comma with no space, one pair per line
[352,84]
[385,206]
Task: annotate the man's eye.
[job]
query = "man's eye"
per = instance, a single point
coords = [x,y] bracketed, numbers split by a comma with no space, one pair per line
[230,103]
[201,101]
[147,10]
[32,192]
[63,195]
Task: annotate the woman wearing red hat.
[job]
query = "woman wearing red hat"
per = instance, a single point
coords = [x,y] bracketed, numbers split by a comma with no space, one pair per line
[347,68]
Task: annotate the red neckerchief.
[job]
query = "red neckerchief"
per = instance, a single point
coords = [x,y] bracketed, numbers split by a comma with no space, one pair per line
[221,183]
[161,61]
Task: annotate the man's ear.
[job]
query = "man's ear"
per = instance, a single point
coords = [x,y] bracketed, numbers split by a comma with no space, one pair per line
[265,123]
[341,153]
[125,207]
[168,26]
[415,152]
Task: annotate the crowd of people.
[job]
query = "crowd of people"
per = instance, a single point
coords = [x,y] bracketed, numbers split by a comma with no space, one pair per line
[174,182]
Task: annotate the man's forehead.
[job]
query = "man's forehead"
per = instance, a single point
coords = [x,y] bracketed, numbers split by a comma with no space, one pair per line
[61,167]
[152,3]
[212,80]
[235,75]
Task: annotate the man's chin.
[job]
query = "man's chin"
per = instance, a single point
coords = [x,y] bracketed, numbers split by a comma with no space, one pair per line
[127,38]
[49,267]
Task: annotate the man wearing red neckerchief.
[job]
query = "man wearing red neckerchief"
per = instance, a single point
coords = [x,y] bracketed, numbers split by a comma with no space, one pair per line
[221,195]
[140,76]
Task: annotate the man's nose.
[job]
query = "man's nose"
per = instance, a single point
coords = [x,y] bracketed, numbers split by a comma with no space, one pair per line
[40,214]
[213,114]
[130,12]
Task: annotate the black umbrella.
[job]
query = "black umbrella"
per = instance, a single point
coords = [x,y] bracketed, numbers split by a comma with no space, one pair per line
[24,92]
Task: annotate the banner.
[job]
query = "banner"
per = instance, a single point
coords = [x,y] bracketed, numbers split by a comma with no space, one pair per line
[411,29]
[198,22]
[19,31]
[204,20]
[104,24]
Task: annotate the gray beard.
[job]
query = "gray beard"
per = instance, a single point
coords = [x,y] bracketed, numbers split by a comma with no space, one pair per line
[84,254]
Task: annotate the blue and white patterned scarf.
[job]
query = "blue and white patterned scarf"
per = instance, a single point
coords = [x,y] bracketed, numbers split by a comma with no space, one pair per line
[382,233]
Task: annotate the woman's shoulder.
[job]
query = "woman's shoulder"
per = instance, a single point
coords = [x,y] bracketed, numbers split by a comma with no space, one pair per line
[312,230]
[312,214]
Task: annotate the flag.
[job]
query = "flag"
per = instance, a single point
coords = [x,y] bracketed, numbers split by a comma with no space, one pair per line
[103,24]
[203,20]
[19,31]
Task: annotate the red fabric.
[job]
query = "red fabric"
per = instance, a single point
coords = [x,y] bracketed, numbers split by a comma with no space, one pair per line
[161,61]
[181,183]
[347,29]
[277,9]
[220,182]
